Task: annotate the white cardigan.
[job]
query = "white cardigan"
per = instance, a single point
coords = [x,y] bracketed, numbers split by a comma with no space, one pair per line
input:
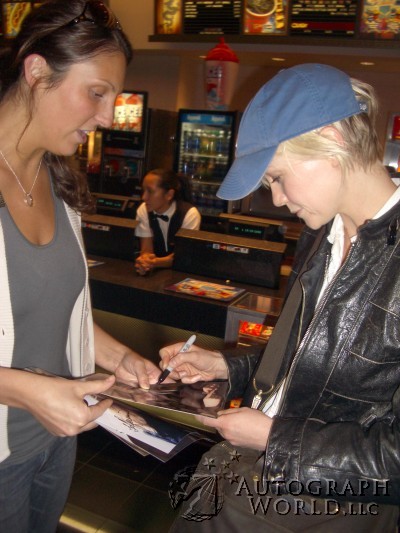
[80,344]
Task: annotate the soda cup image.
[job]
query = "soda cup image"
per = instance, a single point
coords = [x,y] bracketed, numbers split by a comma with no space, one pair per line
[258,14]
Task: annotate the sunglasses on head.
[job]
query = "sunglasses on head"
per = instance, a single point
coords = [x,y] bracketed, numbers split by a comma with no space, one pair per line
[99,14]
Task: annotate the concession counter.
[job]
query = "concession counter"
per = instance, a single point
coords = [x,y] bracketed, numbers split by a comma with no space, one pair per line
[144,313]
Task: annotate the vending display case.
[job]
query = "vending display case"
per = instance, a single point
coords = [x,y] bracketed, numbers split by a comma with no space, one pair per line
[251,319]
[123,146]
[139,140]
[391,156]
[205,142]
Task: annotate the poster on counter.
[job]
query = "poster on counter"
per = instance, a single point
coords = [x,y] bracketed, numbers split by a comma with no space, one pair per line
[380,19]
[265,17]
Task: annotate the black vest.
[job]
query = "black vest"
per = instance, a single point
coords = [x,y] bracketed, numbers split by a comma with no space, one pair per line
[175,224]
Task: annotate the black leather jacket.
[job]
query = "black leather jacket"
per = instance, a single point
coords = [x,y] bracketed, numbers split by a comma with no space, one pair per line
[340,410]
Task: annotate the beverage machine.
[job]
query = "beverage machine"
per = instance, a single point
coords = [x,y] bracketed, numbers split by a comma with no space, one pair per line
[116,160]
[139,139]
[123,146]
[205,143]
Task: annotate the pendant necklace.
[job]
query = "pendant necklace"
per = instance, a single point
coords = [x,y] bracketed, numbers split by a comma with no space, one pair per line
[28,195]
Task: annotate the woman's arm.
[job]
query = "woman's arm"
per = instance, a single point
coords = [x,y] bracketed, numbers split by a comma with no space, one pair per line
[125,363]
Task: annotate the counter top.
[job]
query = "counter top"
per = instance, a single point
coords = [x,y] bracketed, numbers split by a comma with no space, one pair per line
[116,288]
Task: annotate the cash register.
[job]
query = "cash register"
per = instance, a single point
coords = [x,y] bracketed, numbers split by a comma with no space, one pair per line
[110,231]
[233,257]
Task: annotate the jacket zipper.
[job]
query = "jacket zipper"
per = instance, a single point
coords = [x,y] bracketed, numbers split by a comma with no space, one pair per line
[310,326]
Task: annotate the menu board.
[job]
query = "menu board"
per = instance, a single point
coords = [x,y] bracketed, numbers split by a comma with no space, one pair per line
[336,18]
[380,19]
[359,19]
[211,16]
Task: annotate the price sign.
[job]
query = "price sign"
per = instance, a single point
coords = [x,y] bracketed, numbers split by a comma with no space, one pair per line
[211,16]
[336,18]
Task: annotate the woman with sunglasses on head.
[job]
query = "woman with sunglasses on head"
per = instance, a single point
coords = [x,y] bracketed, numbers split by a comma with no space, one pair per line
[58,82]
[167,207]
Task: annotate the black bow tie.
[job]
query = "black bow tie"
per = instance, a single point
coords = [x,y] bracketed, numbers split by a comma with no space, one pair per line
[163,217]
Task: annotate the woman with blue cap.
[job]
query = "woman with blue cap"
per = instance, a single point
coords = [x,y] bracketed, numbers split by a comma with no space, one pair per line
[315,446]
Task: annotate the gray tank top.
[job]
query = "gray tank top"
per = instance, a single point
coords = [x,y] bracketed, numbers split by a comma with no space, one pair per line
[45,282]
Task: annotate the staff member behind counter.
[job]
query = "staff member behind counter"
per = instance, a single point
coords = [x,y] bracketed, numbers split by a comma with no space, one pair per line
[167,207]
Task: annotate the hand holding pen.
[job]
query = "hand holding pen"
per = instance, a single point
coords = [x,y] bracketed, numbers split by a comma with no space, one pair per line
[167,371]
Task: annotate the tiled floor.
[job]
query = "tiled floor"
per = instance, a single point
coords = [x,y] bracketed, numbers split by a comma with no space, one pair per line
[115,490]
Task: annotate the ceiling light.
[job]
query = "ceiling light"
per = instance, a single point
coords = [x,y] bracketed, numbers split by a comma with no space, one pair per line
[278,59]
[367,63]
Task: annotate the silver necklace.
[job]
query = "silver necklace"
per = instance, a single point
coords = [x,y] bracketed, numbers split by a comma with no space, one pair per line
[28,195]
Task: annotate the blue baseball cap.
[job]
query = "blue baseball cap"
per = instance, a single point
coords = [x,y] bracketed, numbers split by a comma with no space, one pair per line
[295,101]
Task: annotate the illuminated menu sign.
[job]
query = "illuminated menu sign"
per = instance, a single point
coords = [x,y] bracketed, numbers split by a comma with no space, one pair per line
[323,17]
[211,16]
[359,19]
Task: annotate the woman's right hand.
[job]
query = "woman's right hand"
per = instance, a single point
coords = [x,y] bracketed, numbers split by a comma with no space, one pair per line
[197,364]
[58,403]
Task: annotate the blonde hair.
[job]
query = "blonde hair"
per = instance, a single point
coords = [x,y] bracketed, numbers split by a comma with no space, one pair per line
[361,146]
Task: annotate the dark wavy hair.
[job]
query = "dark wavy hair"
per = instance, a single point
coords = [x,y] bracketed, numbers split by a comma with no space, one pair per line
[48,31]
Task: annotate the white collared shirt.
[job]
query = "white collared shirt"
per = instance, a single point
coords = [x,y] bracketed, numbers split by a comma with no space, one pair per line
[192,220]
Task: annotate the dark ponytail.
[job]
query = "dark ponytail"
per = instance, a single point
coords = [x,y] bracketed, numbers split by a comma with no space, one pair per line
[180,183]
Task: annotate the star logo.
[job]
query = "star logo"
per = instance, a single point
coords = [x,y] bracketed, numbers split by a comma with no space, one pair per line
[235,455]
[231,477]
[209,462]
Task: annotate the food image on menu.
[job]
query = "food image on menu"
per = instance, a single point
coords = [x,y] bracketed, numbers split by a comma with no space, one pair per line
[265,16]
[215,291]
[13,14]
[380,19]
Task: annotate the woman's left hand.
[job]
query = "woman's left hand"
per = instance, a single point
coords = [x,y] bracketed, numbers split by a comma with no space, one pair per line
[136,370]
[117,358]
[241,426]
